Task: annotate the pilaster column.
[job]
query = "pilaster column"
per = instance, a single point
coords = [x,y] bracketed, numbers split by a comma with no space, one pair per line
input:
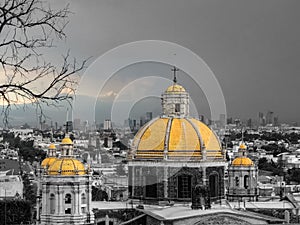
[44,199]
[89,194]
[204,179]
[133,180]
[203,151]
[74,201]
[79,199]
[166,182]
[60,202]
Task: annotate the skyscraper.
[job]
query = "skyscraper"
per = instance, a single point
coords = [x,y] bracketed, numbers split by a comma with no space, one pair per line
[269,117]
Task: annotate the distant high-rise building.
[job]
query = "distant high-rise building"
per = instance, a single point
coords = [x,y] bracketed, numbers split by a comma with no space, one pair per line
[237,122]
[269,117]
[222,120]
[249,123]
[229,120]
[142,121]
[107,124]
[202,118]
[86,125]
[69,126]
[77,124]
[134,124]
[126,123]
[276,121]
[149,116]
[261,119]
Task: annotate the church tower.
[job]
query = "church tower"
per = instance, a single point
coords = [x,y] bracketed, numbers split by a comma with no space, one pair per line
[242,174]
[175,100]
[66,190]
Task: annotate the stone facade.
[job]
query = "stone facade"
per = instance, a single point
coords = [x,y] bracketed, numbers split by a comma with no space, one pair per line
[66,199]
[242,183]
[175,104]
[173,182]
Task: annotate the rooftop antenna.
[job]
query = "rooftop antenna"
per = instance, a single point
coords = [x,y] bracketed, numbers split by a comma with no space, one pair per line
[174,69]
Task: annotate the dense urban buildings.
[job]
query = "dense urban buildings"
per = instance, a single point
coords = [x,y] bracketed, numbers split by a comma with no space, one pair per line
[174,170]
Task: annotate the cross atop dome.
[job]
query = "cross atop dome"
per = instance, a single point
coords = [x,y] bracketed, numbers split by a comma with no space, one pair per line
[174,69]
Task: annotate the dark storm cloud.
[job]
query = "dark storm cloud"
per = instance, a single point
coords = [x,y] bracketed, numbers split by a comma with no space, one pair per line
[251,46]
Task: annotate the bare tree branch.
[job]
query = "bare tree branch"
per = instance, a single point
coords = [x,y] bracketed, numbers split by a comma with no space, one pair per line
[27,28]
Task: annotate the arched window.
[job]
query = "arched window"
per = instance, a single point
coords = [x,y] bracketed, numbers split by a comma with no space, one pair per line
[83,198]
[237,181]
[68,199]
[246,181]
[52,204]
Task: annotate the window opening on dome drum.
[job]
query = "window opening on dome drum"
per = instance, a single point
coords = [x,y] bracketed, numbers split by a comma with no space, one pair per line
[83,199]
[68,211]
[237,182]
[177,107]
[52,204]
[68,199]
[246,181]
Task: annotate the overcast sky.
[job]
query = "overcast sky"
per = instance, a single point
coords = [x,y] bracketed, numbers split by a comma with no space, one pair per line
[252,47]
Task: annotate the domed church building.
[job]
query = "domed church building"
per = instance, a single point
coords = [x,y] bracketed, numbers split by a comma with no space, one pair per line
[173,155]
[243,175]
[66,189]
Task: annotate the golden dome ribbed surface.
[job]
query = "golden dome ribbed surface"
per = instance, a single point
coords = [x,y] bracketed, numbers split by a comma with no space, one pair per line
[242,161]
[66,166]
[67,141]
[47,162]
[179,137]
[175,88]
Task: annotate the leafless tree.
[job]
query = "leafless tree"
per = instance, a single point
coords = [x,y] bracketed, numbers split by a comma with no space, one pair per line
[28,29]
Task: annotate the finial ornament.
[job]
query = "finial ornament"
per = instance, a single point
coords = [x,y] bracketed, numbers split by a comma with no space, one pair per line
[174,69]
[242,135]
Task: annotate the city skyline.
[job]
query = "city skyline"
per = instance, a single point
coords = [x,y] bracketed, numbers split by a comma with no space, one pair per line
[251,47]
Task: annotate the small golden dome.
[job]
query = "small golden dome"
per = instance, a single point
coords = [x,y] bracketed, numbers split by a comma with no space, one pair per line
[175,88]
[52,146]
[66,141]
[243,146]
[180,137]
[242,161]
[66,166]
[47,162]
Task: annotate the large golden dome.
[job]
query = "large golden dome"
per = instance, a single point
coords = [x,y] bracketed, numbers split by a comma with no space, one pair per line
[66,166]
[242,161]
[47,162]
[176,138]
